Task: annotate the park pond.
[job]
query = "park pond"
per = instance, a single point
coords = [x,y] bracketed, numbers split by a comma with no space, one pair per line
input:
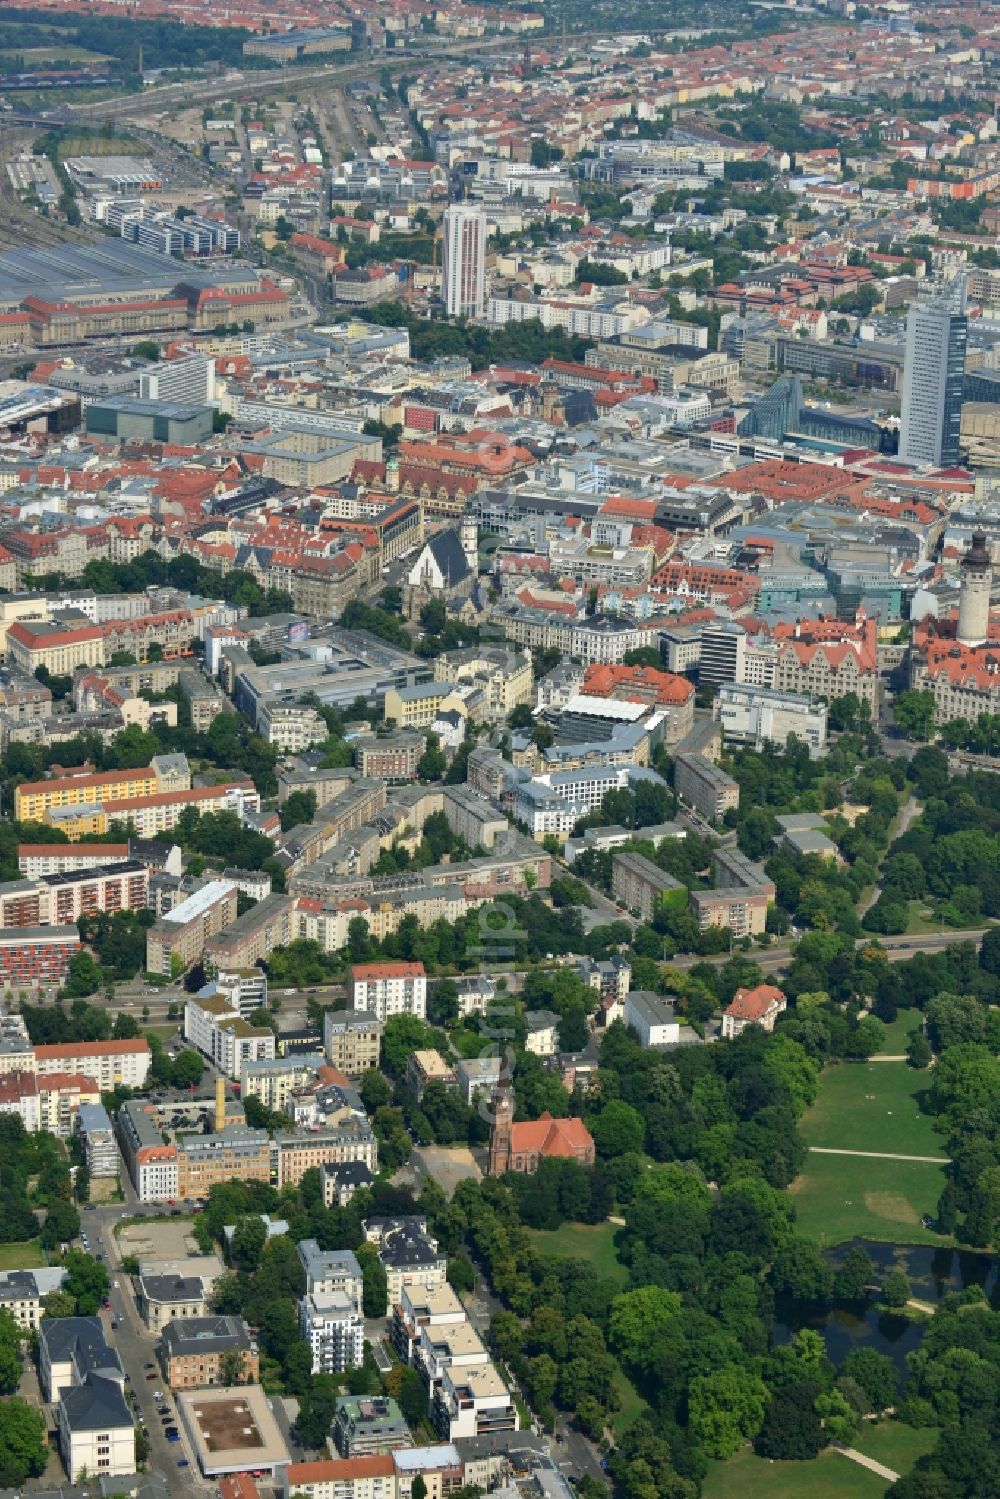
[932,1273]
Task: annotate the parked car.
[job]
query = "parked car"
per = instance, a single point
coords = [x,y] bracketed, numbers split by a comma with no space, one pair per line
[182,1462]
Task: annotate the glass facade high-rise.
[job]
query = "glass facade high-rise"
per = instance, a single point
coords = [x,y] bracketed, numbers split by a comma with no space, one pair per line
[936,334]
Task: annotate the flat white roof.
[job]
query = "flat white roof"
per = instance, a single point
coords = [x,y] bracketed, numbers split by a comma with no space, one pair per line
[602,707]
[198,903]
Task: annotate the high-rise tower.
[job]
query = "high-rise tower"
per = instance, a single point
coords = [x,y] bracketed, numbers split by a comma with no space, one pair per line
[974,597]
[463,282]
[933,372]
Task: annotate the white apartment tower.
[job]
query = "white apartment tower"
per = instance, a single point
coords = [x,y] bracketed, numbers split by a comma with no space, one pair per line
[974,597]
[933,372]
[463,289]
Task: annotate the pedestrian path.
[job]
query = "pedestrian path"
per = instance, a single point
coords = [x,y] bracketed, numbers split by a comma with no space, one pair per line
[866,1462]
[879,1155]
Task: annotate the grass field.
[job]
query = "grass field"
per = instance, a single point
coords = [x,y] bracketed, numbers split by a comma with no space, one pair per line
[596,1244]
[165,1032]
[831,1476]
[23,1256]
[67,53]
[895,1445]
[631,1408]
[872,1106]
[897,1035]
[841,1197]
[921,919]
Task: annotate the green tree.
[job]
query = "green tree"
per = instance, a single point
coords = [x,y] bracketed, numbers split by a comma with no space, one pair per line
[876,1374]
[375,1285]
[297,808]
[10,1353]
[62,1223]
[854,1275]
[86,1281]
[83,975]
[918,1051]
[895,1290]
[792,1429]
[726,1407]
[23,1449]
[913,712]
[618,1129]
[432,764]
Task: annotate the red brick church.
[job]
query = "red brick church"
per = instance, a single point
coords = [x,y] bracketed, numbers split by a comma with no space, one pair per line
[523,1147]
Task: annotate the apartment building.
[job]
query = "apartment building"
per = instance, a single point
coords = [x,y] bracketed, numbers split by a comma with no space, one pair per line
[176,1291]
[705,786]
[150,1162]
[428,1066]
[37,859]
[93,1124]
[418,1309]
[179,938]
[154,815]
[61,899]
[369,1426]
[369,1477]
[203,1161]
[350,1139]
[23,1293]
[292,727]
[758,1006]
[246,941]
[352,1040]
[473,1402]
[652,1018]
[49,1103]
[409,1256]
[391,759]
[36,957]
[386,989]
[83,1377]
[332,1270]
[34,799]
[274,1079]
[639,884]
[334,1330]
[224,1037]
[109,1063]
[743,911]
[200,1351]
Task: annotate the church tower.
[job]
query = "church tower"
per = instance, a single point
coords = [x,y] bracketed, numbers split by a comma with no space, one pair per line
[501,1130]
[469,538]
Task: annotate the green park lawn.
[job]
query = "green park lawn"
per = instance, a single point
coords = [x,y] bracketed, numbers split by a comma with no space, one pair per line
[21,1256]
[831,1476]
[921,919]
[840,1197]
[593,1243]
[894,1444]
[897,1035]
[872,1106]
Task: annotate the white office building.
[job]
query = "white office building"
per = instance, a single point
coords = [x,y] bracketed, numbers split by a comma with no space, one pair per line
[464,268]
[933,372]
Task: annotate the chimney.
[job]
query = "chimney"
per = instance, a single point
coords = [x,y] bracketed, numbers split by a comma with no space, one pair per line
[220,1105]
